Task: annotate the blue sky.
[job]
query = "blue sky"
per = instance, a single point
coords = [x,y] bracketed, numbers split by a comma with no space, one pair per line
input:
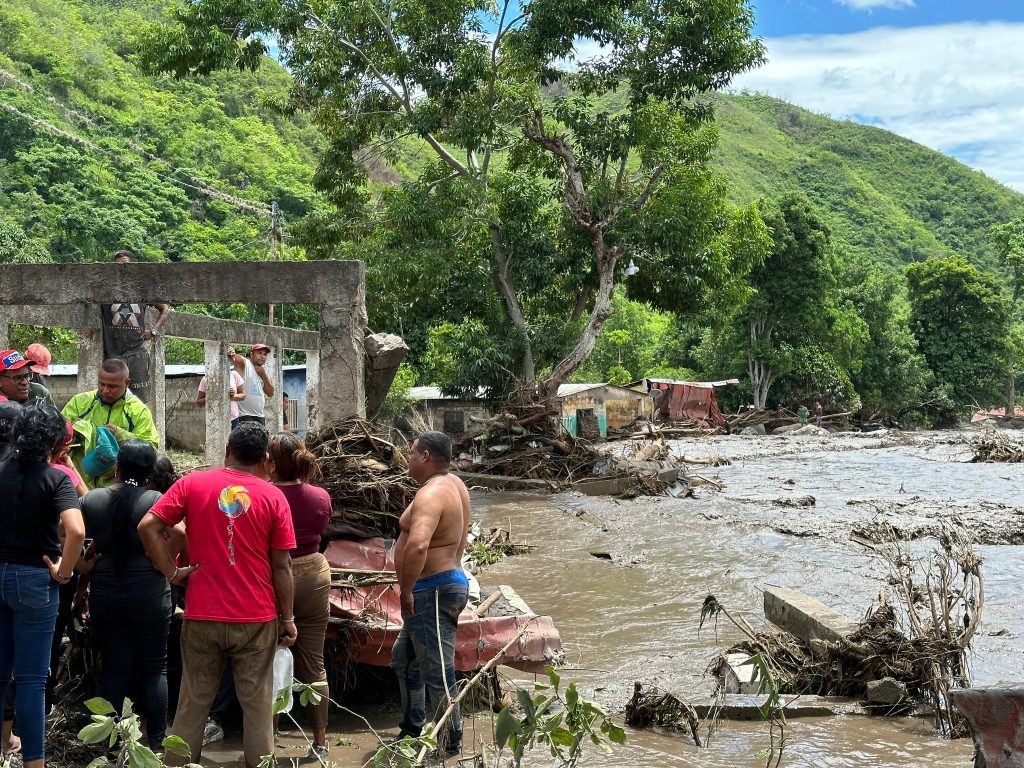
[943,73]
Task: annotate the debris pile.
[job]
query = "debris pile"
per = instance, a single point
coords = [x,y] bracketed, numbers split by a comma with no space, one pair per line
[997,447]
[365,474]
[916,636]
[493,546]
[651,706]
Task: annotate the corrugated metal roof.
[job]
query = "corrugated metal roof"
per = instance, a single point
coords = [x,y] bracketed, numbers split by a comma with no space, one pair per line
[565,390]
[698,384]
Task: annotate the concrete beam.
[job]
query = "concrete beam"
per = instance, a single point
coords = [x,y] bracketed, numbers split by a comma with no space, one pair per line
[997,727]
[204,328]
[805,617]
[76,316]
[384,353]
[280,282]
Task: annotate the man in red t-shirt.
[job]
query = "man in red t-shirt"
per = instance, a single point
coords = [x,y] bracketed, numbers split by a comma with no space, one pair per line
[240,582]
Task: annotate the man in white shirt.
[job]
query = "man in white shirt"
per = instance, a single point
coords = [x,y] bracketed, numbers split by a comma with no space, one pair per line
[236,392]
[256,383]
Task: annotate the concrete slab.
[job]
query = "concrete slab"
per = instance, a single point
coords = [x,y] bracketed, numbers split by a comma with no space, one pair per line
[739,706]
[738,675]
[804,616]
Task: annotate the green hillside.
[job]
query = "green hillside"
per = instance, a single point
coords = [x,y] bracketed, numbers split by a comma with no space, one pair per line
[882,195]
[94,156]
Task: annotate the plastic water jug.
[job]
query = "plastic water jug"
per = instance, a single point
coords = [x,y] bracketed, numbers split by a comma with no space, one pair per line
[284,668]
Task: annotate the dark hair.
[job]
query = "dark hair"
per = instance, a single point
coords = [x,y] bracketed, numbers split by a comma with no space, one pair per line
[10,411]
[38,432]
[292,459]
[114,365]
[119,254]
[135,462]
[437,444]
[163,475]
[248,442]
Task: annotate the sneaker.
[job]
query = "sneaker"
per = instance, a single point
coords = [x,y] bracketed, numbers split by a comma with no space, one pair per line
[319,751]
[213,732]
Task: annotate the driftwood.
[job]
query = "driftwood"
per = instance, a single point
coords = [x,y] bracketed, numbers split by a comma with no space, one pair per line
[997,447]
[651,706]
[365,474]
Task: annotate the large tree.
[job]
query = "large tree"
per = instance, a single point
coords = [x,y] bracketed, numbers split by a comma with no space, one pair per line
[961,319]
[514,122]
[1009,242]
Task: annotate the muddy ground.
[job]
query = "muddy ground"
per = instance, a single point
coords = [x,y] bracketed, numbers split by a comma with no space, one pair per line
[635,616]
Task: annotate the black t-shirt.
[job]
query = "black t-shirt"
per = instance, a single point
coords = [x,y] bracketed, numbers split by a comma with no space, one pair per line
[32,496]
[98,511]
[124,329]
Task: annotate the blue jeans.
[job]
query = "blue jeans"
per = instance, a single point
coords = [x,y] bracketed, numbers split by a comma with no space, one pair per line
[423,667]
[28,612]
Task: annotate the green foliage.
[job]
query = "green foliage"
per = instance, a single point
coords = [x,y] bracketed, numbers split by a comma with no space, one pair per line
[562,723]
[398,400]
[462,358]
[961,319]
[124,729]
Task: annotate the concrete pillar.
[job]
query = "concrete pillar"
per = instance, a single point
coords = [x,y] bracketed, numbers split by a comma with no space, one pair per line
[272,407]
[158,388]
[313,388]
[342,393]
[90,357]
[218,414]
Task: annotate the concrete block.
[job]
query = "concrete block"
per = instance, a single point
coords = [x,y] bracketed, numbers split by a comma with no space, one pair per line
[738,676]
[805,617]
[886,692]
[738,706]
[756,429]
[384,353]
[997,727]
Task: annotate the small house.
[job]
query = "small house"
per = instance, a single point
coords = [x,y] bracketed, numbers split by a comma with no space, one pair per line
[447,413]
[685,400]
[590,410]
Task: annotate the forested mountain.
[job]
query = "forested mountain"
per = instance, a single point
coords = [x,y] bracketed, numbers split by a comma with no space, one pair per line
[882,195]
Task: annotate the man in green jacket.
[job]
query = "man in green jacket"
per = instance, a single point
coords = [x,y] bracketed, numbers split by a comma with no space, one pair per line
[112,406]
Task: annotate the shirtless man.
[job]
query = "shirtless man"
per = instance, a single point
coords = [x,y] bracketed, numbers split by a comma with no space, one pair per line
[434,590]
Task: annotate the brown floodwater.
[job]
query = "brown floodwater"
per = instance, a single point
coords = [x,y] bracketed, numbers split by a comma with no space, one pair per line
[635,617]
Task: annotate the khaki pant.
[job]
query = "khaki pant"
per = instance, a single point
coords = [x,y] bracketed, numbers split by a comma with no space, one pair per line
[312,577]
[206,647]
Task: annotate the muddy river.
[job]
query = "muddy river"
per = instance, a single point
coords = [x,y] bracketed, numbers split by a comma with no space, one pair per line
[635,617]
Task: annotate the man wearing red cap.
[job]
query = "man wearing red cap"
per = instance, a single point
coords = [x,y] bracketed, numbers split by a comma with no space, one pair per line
[16,379]
[41,356]
[257,383]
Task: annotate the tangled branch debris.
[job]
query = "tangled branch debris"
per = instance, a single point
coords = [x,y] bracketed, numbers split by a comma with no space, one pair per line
[997,447]
[365,474]
[918,633]
[493,546]
[651,706]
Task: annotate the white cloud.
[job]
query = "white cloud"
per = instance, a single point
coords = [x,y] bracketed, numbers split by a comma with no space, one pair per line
[870,5]
[951,87]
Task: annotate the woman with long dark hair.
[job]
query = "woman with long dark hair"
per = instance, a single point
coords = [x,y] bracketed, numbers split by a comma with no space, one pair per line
[38,501]
[291,469]
[129,600]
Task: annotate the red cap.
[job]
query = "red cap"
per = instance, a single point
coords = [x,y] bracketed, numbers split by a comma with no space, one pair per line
[41,356]
[12,360]
[260,346]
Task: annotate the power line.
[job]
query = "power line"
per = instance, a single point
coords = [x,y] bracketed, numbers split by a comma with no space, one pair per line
[194,184]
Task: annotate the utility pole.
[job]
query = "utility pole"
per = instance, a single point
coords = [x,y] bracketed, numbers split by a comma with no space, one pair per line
[276,239]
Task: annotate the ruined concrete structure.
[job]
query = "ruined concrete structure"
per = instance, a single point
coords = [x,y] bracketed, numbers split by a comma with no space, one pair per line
[69,296]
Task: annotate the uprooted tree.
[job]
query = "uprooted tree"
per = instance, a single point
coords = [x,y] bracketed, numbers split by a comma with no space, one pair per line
[546,170]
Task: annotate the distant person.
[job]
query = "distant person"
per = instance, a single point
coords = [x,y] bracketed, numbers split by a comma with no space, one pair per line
[41,359]
[291,466]
[285,402]
[110,410]
[257,383]
[818,412]
[16,380]
[238,606]
[236,393]
[125,335]
[129,600]
[434,589]
[802,414]
[39,504]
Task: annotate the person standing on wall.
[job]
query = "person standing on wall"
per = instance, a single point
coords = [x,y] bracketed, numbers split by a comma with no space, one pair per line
[125,335]
[257,383]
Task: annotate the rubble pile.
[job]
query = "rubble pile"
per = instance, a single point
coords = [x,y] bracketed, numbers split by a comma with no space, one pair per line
[365,474]
[997,447]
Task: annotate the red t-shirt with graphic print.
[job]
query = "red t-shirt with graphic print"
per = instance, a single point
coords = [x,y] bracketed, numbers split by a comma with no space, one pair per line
[233,519]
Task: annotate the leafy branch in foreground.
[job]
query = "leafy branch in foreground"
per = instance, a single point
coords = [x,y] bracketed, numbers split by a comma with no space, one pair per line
[125,729]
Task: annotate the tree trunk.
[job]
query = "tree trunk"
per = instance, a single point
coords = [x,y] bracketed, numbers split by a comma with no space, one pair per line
[503,284]
[1011,388]
[605,260]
